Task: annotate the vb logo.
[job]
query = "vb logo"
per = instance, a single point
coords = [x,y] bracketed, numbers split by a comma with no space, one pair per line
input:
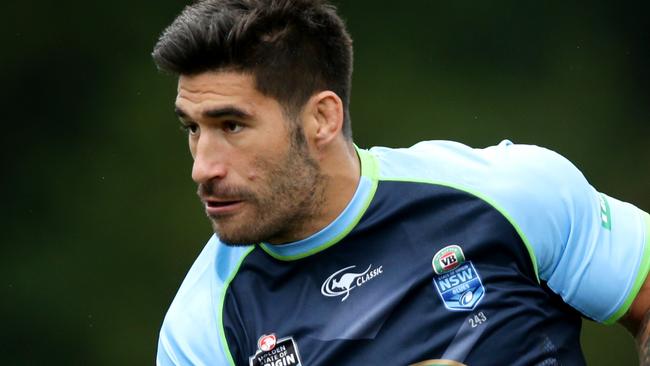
[447,259]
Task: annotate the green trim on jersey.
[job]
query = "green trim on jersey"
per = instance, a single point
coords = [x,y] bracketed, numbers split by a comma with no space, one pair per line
[368,163]
[486,199]
[641,275]
[369,169]
[222,300]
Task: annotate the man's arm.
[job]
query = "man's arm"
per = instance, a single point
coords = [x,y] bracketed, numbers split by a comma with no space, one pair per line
[637,321]
[643,341]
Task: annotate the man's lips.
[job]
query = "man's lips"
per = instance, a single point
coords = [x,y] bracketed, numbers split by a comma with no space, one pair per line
[216,207]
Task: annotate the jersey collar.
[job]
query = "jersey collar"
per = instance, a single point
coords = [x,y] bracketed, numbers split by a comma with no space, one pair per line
[342,225]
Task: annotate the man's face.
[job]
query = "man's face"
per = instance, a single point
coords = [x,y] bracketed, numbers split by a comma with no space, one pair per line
[256,178]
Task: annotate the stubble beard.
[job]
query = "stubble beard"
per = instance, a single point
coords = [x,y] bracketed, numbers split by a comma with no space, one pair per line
[291,195]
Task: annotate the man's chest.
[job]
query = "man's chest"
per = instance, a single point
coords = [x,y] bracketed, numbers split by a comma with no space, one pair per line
[450,282]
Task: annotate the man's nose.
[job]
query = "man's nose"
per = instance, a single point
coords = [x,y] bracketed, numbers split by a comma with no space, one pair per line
[209,161]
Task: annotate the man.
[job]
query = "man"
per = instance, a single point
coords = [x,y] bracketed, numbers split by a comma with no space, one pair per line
[326,254]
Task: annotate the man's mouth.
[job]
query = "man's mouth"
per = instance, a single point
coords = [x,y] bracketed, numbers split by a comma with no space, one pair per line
[221,207]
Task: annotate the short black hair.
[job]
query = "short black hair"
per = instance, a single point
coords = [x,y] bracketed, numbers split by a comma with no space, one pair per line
[293,48]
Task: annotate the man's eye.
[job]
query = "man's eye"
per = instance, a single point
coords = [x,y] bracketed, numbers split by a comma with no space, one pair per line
[190,128]
[232,127]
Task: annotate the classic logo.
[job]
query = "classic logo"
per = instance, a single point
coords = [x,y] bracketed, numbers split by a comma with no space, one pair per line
[273,352]
[456,280]
[447,259]
[344,280]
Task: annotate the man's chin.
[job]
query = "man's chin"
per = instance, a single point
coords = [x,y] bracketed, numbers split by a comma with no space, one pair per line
[234,243]
[235,237]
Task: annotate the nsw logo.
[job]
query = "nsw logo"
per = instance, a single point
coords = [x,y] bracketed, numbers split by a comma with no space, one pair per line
[461,288]
[346,279]
[456,280]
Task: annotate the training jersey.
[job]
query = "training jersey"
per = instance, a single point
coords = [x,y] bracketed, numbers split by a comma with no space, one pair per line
[445,255]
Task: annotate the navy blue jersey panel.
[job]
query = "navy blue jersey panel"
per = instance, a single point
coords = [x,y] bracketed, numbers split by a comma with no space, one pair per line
[374,298]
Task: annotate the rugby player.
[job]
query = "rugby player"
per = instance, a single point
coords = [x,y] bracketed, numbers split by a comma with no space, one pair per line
[328,254]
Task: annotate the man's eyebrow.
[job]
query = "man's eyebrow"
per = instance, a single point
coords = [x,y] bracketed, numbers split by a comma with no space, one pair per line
[180,113]
[228,111]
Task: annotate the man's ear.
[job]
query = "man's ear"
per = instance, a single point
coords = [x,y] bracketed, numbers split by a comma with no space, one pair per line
[323,118]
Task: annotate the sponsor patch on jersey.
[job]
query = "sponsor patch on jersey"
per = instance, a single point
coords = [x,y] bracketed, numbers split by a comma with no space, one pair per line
[460,288]
[341,282]
[605,213]
[447,259]
[275,352]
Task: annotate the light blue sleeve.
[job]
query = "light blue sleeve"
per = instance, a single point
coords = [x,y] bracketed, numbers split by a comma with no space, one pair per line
[593,250]
[192,332]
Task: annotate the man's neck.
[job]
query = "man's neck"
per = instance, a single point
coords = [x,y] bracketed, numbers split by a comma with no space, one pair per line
[341,170]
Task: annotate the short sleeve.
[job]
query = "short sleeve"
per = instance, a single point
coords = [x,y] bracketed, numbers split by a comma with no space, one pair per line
[192,331]
[165,356]
[590,248]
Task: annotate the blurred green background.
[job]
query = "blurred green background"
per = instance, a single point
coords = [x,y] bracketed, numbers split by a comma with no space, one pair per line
[100,220]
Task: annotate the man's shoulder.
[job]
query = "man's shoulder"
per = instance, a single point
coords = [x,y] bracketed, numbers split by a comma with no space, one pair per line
[453,163]
[209,275]
[528,184]
[192,319]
